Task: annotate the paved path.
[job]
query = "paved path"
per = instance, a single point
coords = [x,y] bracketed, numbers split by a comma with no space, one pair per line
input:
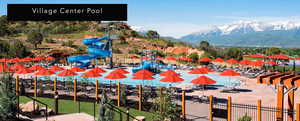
[69,117]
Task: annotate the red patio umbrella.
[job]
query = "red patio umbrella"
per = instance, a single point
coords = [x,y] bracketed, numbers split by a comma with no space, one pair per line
[146,58]
[56,68]
[142,72]
[273,63]
[206,69]
[255,56]
[159,58]
[205,59]
[280,56]
[115,75]
[17,67]
[44,72]
[4,60]
[218,60]
[98,70]
[142,76]
[134,57]
[257,63]
[39,58]
[36,67]
[198,71]
[27,59]
[49,58]
[77,69]
[91,73]
[297,58]
[232,61]
[4,68]
[245,62]
[67,73]
[169,72]
[23,71]
[229,73]
[120,70]
[203,80]
[172,79]
[15,60]
[171,58]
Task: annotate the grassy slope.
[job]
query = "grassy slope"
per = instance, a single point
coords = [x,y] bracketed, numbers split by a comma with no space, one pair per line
[68,106]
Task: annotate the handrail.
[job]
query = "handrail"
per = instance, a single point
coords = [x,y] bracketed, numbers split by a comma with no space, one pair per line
[121,111]
[46,112]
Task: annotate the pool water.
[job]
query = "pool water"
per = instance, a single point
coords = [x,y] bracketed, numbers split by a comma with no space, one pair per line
[221,80]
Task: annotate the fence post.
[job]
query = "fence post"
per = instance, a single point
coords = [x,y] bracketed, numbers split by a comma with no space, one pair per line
[140,97]
[35,87]
[229,109]
[119,93]
[17,86]
[210,108]
[97,93]
[280,103]
[183,105]
[55,85]
[291,105]
[75,90]
[258,110]
[298,112]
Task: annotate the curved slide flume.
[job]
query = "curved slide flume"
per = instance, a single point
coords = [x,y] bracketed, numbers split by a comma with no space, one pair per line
[96,49]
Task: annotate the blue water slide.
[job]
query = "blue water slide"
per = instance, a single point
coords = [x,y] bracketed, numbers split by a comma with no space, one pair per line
[96,49]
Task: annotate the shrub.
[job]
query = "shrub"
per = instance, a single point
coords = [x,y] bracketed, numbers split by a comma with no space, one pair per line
[245,118]
[8,105]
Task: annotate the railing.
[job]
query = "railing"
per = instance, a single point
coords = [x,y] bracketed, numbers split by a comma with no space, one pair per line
[35,100]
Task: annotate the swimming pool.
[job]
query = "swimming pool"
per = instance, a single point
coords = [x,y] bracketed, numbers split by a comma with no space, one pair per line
[221,80]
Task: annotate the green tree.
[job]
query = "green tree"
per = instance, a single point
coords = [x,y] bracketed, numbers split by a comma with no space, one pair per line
[17,49]
[194,56]
[204,44]
[3,26]
[234,53]
[273,51]
[35,38]
[105,111]
[8,105]
[4,48]
[152,35]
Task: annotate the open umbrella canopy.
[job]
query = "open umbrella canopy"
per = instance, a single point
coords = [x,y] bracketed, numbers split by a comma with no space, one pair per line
[170,58]
[159,58]
[4,68]
[273,63]
[24,71]
[15,60]
[98,70]
[172,79]
[77,69]
[91,73]
[27,59]
[44,72]
[36,68]
[4,60]
[218,60]
[255,56]
[297,58]
[120,70]
[67,73]
[56,68]
[17,67]
[206,69]
[146,58]
[39,58]
[232,61]
[186,59]
[143,72]
[49,58]
[257,63]
[245,62]
[198,71]
[280,56]
[168,73]
[115,75]
[203,80]
[143,77]
[229,73]
[205,59]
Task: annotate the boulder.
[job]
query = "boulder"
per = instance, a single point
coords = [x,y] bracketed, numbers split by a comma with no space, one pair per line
[140,118]
[29,107]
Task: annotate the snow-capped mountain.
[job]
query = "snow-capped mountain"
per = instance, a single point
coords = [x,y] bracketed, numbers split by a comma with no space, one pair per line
[250,33]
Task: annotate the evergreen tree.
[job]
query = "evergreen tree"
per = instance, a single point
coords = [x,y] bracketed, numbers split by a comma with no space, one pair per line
[105,111]
[35,38]
[8,106]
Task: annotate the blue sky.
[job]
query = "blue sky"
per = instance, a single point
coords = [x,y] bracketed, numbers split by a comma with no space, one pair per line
[180,17]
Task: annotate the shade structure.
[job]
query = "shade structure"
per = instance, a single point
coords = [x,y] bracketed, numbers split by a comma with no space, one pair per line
[143,77]
[232,61]
[273,63]
[203,80]
[4,68]
[91,73]
[142,72]
[297,58]
[49,58]
[145,58]
[229,73]
[56,68]
[170,58]
[280,56]
[257,63]
[218,60]
[245,62]
[23,71]
[36,68]
[172,79]
[98,70]
[15,60]
[4,60]
[27,59]
[134,57]
[17,67]
[115,75]
[159,58]
[255,56]
[198,71]
[39,58]
[44,72]
[77,69]
[168,73]
[205,59]
[120,70]
[67,73]
[206,69]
